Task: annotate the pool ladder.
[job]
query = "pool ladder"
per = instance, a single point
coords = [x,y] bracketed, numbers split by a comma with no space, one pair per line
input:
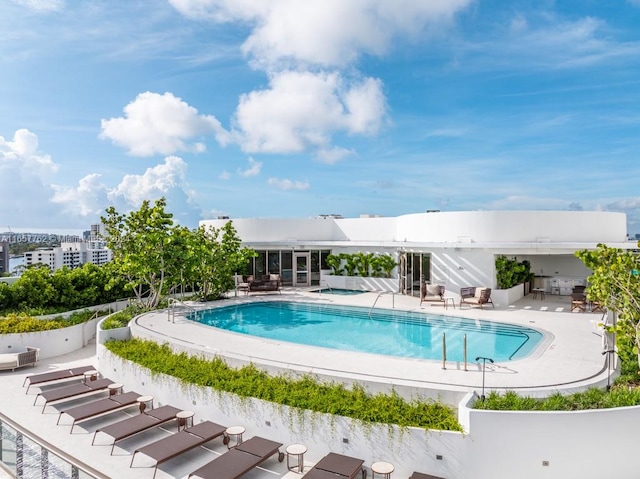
[171,309]
[328,286]
[393,300]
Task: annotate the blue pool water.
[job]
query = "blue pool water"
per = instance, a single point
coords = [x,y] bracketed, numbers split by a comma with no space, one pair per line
[390,332]
[338,291]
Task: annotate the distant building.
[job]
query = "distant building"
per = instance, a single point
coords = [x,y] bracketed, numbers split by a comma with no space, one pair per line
[72,255]
[4,257]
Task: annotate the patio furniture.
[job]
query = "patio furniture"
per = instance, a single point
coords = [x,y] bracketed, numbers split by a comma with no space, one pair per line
[62,374]
[136,424]
[475,296]
[297,451]
[183,441]
[243,285]
[270,282]
[421,475]
[72,391]
[18,360]
[382,468]
[432,293]
[97,408]
[240,460]
[337,466]
[578,302]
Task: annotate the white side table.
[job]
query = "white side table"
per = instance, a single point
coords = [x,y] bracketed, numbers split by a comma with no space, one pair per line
[115,388]
[185,419]
[144,402]
[298,451]
[91,375]
[381,468]
[236,432]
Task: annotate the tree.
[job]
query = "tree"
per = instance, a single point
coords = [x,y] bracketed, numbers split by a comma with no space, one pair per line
[141,245]
[615,284]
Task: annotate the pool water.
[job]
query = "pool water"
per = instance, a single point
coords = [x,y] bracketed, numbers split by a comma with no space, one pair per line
[341,292]
[379,331]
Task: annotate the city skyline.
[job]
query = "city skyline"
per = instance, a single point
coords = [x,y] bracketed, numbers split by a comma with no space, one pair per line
[296,109]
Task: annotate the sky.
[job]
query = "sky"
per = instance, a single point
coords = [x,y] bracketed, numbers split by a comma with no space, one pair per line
[288,108]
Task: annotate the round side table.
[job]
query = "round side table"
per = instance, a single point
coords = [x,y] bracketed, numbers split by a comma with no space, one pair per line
[91,375]
[115,388]
[144,402]
[185,419]
[381,468]
[235,433]
[298,451]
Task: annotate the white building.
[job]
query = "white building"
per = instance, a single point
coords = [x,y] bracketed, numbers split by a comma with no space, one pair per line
[456,249]
[71,255]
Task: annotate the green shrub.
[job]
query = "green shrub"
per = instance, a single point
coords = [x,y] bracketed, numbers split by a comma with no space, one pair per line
[15,323]
[303,393]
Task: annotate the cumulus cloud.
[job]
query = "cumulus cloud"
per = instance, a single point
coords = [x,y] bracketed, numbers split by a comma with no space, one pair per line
[253,170]
[87,199]
[285,184]
[162,124]
[322,32]
[302,110]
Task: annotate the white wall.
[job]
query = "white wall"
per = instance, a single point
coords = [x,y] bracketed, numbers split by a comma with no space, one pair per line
[496,444]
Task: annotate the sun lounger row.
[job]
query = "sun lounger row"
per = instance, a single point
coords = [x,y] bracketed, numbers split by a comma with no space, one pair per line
[54,376]
[73,391]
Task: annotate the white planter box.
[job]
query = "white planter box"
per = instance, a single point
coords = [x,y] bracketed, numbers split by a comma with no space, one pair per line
[359,283]
[505,297]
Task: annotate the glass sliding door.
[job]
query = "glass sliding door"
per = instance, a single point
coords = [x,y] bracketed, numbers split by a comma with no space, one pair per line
[302,262]
[415,269]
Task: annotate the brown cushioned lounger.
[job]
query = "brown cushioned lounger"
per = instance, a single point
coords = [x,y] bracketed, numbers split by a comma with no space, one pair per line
[55,376]
[240,460]
[72,391]
[183,441]
[335,466]
[102,406]
[138,423]
[421,475]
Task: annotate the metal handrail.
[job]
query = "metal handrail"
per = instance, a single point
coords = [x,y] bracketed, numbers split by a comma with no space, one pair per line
[393,300]
[47,446]
[328,286]
[171,308]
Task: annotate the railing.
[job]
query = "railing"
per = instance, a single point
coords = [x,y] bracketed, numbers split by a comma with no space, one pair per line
[393,300]
[328,286]
[25,455]
[171,309]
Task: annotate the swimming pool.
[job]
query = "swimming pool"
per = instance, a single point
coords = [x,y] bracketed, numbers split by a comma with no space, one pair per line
[389,332]
[339,291]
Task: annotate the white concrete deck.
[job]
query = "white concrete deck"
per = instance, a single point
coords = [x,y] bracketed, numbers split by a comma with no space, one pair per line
[572,359]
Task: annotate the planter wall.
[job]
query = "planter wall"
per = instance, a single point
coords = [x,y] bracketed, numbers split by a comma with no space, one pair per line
[505,297]
[117,334]
[51,343]
[359,283]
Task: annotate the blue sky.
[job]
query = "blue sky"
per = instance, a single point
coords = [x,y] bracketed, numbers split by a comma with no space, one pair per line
[286,108]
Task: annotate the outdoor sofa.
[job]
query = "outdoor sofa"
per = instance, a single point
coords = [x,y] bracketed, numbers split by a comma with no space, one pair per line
[269,282]
[18,360]
[475,296]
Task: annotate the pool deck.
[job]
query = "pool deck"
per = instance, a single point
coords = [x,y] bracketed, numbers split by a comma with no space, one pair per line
[569,358]
[572,358]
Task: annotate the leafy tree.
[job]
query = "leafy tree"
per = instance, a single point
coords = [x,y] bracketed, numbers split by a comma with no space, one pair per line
[335,263]
[363,263]
[386,262]
[141,244]
[615,284]
[34,289]
[350,263]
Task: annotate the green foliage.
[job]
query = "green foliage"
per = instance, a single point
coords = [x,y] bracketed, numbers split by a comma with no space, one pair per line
[615,284]
[361,264]
[621,395]
[510,272]
[335,263]
[304,393]
[15,323]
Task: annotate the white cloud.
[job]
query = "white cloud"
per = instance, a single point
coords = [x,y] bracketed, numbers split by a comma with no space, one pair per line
[254,169]
[322,32]
[285,184]
[162,124]
[225,175]
[42,6]
[333,155]
[87,199]
[303,109]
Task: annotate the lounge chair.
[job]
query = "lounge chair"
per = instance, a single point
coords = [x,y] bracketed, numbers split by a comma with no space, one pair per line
[578,302]
[475,296]
[97,408]
[422,475]
[29,357]
[240,460]
[183,441]
[138,423]
[337,466]
[72,391]
[431,293]
[37,379]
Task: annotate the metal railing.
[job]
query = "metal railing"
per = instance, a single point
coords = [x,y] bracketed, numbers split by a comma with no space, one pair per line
[171,308]
[27,456]
[328,286]
[381,293]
